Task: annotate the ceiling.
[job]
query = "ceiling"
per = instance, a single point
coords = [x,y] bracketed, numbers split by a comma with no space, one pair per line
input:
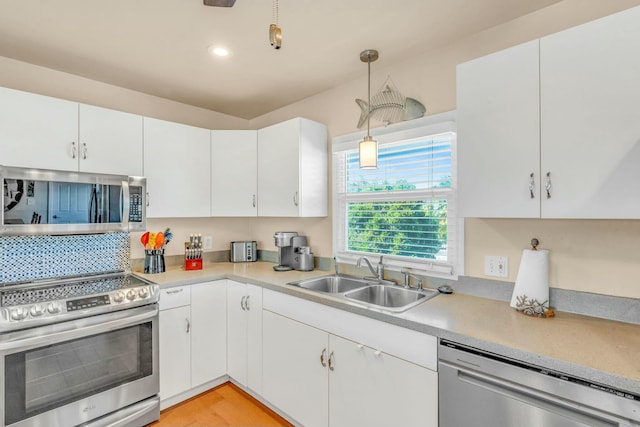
[159,47]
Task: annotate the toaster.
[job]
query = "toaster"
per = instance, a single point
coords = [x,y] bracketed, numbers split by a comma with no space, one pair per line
[243,251]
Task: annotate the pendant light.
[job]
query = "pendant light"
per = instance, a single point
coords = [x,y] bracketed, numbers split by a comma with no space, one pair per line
[275,32]
[368,147]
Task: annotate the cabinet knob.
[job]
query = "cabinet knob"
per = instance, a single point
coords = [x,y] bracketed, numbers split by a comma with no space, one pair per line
[377,352]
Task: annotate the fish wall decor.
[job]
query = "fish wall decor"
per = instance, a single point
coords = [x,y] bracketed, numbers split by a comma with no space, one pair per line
[388,105]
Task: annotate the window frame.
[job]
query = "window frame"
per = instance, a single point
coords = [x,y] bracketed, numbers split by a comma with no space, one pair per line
[404,131]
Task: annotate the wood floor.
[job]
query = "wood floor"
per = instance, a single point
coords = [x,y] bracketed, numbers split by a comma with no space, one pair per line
[225,405]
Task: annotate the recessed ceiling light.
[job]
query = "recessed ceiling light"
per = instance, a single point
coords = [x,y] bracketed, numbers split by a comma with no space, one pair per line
[218,51]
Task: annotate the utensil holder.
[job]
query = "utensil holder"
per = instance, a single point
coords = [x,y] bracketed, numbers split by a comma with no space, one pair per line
[193,264]
[154,261]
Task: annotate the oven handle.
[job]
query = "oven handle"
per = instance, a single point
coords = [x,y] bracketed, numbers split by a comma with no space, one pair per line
[59,332]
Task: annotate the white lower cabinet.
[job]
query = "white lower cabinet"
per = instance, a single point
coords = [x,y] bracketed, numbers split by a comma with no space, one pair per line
[244,341]
[295,375]
[319,378]
[368,387]
[192,344]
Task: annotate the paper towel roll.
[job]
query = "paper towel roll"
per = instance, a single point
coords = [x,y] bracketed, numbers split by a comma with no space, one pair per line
[532,281]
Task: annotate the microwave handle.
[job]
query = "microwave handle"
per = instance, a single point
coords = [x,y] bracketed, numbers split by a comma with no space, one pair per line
[125,204]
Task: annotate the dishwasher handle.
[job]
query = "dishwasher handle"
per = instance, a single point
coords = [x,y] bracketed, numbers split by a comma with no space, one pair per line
[545,401]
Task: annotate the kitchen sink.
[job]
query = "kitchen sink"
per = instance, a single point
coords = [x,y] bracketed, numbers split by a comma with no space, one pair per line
[368,292]
[332,284]
[390,297]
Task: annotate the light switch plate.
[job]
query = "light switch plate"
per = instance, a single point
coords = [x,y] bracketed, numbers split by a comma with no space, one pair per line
[496,266]
[207,242]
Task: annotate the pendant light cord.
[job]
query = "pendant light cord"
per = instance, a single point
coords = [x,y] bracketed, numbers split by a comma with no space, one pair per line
[368,94]
[275,13]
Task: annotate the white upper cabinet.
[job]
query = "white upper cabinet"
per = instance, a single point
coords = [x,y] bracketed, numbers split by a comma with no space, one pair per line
[499,133]
[234,169]
[590,95]
[564,109]
[38,131]
[292,169]
[110,141]
[42,132]
[177,166]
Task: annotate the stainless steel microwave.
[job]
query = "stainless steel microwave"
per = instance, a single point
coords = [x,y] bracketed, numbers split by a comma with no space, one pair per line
[39,201]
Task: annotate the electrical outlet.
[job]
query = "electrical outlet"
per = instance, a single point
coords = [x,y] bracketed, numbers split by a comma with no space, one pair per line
[497,266]
[207,242]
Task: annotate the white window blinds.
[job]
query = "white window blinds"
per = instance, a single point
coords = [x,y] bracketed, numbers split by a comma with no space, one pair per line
[404,209]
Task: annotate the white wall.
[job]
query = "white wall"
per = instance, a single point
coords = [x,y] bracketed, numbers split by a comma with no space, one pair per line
[593,256]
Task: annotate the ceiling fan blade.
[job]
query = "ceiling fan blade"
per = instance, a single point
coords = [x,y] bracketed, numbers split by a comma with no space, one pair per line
[219,3]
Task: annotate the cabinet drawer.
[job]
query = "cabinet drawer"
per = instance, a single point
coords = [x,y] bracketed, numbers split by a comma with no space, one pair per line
[175,297]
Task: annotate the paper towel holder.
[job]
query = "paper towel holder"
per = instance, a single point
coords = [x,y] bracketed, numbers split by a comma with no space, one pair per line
[534,244]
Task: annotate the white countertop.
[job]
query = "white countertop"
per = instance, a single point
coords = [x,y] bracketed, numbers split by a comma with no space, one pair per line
[598,350]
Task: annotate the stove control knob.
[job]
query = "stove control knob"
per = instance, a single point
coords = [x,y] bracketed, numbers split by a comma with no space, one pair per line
[19,313]
[131,295]
[37,310]
[143,292]
[118,297]
[53,308]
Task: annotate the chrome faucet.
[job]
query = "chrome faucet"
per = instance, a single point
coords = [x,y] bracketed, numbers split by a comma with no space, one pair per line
[378,272]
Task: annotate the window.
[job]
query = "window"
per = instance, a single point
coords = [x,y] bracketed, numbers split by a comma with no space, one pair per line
[406,209]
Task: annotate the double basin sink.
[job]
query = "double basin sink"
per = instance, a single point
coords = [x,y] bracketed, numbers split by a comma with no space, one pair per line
[370,293]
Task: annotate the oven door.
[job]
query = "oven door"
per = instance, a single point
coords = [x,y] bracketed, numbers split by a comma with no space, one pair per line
[70,373]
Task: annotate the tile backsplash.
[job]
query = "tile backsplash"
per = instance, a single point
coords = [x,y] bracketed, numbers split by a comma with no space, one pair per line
[28,258]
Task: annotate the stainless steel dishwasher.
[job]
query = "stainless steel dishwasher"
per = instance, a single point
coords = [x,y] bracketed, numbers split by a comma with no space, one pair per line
[484,389]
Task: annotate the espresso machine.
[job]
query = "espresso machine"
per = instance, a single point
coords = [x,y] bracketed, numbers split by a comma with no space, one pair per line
[294,254]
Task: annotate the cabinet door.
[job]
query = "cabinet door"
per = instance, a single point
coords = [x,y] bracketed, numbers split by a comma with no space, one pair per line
[590,88]
[175,351]
[208,331]
[278,169]
[237,331]
[177,163]
[499,133]
[254,338]
[294,379]
[364,383]
[110,141]
[38,131]
[234,169]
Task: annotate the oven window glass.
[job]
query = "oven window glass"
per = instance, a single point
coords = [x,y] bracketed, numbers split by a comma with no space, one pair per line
[45,378]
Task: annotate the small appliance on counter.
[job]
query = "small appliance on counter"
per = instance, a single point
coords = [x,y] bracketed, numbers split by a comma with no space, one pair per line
[246,251]
[294,254]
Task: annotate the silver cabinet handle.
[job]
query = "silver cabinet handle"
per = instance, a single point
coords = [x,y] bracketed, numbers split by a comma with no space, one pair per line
[547,186]
[322,356]
[84,151]
[188,324]
[532,185]
[295,198]
[148,199]
[246,302]
[242,306]
[254,200]
[73,149]
[331,361]
[175,291]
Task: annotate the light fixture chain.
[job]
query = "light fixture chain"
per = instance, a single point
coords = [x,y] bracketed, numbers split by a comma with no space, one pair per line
[276,14]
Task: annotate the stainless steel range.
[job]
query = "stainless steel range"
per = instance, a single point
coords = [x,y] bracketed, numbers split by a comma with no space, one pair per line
[81,351]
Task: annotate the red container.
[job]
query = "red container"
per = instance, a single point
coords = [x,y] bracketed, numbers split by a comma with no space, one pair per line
[193,264]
